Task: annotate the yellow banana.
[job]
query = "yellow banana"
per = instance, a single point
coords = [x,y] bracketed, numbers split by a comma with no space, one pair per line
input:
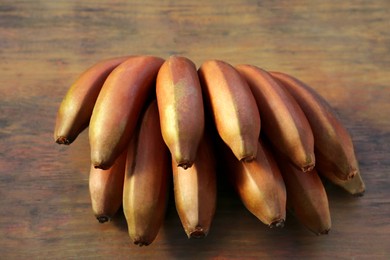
[118,106]
[284,123]
[233,107]
[76,108]
[148,168]
[195,191]
[333,145]
[180,104]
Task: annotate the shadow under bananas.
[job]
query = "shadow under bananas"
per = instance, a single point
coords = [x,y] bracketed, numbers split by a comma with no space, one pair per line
[119,221]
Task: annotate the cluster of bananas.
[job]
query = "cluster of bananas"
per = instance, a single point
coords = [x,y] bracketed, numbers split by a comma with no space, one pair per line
[150,119]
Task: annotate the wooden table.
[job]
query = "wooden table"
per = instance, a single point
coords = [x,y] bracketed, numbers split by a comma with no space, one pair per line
[341,48]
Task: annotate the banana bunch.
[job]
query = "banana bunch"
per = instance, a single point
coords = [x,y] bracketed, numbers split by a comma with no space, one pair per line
[154,123]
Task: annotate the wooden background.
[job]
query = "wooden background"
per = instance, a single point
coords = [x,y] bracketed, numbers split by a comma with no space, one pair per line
[341,48]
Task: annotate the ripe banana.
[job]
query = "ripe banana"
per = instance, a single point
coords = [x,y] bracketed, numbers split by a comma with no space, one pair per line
[306,197]
[142,109]
[233,107]
[285,124]
[333,146]
[180,104]
[118,106]
[354,186]
[259,184]
[76,108]
[106,189]
[195,191]
[148,168]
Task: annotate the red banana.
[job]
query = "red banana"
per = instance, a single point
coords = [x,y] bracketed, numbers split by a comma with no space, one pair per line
[195,191]
[76,108]
[148,168]
[106,189]
[284,123]
[306,197]
[118,106]
[180,104]
[334,149]
[260,185]
[233,107]
[354,186]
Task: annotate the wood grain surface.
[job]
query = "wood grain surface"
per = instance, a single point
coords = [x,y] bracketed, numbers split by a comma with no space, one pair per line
[341,48]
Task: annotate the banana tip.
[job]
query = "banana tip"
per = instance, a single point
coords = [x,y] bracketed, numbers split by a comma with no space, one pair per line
[358,194]
[277,224]
[141,243]
[101,166]
[185,165]
[324,232]
[63,140]
[103,218]
[197,233]
[308,168]
[248,158]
